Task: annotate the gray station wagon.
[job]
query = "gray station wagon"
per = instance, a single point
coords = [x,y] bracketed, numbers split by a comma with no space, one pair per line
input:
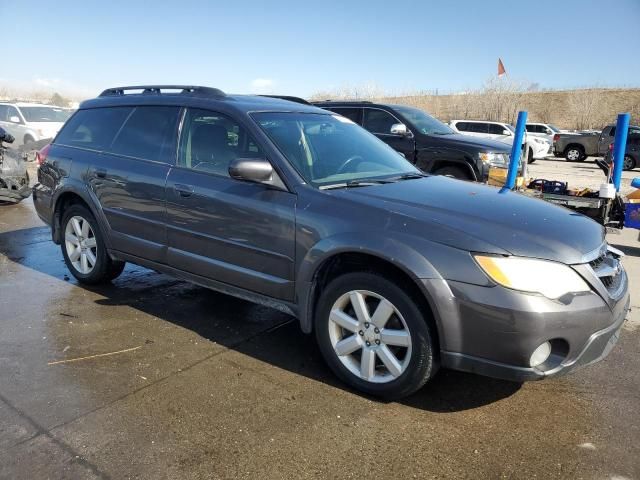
[396,272]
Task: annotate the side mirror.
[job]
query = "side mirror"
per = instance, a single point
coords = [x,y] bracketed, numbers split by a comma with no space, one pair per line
[399,129]
[506,132]
[14,119]
[257,170]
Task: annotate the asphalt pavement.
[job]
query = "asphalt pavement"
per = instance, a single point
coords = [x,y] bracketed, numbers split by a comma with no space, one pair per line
[155,378]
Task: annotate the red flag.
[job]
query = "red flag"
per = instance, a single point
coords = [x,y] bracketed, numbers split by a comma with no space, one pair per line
[501,70]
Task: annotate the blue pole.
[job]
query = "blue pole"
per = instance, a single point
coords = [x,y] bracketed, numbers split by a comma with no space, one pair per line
[620,147]
[516,151]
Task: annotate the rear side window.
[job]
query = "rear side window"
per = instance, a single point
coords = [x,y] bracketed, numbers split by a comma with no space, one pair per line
[148,133]
[93,128]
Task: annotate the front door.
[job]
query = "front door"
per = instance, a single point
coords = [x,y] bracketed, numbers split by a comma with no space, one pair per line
[219,228]
[379,123]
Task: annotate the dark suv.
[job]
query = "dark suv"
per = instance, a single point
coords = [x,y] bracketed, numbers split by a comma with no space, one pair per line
[295,207]
[426,142]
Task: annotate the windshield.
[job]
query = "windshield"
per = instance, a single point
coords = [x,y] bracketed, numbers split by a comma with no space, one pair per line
[331,149]
[45,114]
[554,128]
[510,127]
[423,122]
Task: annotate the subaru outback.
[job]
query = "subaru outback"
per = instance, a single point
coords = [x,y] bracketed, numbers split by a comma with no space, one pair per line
[395,272]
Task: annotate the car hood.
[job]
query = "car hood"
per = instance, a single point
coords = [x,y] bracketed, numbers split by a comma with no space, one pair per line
[475,143]
[481,218]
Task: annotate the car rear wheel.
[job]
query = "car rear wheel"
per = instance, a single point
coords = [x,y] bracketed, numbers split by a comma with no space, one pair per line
[373,336]
[629,163]
[455,172]
[83,249]
[574,154]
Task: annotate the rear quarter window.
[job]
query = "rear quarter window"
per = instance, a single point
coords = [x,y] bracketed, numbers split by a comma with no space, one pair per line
[93,128]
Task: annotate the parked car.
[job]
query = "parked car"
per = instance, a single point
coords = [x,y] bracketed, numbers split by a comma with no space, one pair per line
[30,122]
[577,147]
[542,130]
[423,140]
[535,148]
[395,271]
[632,153]
[14,178]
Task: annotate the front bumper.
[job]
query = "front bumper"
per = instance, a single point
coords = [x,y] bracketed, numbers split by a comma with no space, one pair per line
[493,331]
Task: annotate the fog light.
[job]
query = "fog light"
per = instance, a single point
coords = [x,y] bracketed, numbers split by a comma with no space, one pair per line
[540,354]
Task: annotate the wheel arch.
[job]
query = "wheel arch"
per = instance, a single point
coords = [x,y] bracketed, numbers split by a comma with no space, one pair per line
[392,259]
[71,196]
[574,145]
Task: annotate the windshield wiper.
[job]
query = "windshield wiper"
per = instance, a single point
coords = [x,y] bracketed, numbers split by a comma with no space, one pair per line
[408,176]
[357,183]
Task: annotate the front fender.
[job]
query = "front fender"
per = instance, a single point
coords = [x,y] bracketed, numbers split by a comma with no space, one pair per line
[386,248]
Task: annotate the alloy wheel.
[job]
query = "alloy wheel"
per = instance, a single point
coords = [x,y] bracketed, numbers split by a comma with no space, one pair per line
[80,243]
[369,336]
[628,163]
[573,155]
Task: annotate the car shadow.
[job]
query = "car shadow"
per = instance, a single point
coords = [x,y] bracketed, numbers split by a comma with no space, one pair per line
[260,332]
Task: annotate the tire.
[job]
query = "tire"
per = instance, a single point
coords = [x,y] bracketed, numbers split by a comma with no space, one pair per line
[80,231]
[530,159]
[28,139]
[629,163]
[574,154]
[415,361]
[455,172]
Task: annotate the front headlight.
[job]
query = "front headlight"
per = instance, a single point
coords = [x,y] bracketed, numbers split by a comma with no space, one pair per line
[551,279]
[494,159]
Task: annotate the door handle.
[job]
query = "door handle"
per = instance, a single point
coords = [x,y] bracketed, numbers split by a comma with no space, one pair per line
[183,190]
[101,173]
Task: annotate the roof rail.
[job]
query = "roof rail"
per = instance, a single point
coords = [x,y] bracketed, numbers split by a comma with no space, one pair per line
[289,98]
[157,90]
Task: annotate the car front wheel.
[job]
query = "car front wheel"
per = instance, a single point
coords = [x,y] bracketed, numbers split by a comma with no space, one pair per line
[374,336]
[629,163]
[83,249]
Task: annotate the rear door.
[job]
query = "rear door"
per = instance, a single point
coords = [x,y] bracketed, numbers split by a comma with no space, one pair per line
[133,148]
[352,113]
[231,231]
[379,122]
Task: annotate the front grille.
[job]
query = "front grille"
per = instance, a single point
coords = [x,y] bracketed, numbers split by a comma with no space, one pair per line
[607,268]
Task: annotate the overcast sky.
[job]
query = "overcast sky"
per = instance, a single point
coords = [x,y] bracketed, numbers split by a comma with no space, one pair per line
[300,47]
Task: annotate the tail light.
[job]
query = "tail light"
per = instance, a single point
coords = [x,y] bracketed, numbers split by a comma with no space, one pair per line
[41,155]
[556,137]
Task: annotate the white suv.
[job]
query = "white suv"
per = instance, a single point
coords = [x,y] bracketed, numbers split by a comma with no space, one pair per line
[30,122]
[503,132]
[542,130]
